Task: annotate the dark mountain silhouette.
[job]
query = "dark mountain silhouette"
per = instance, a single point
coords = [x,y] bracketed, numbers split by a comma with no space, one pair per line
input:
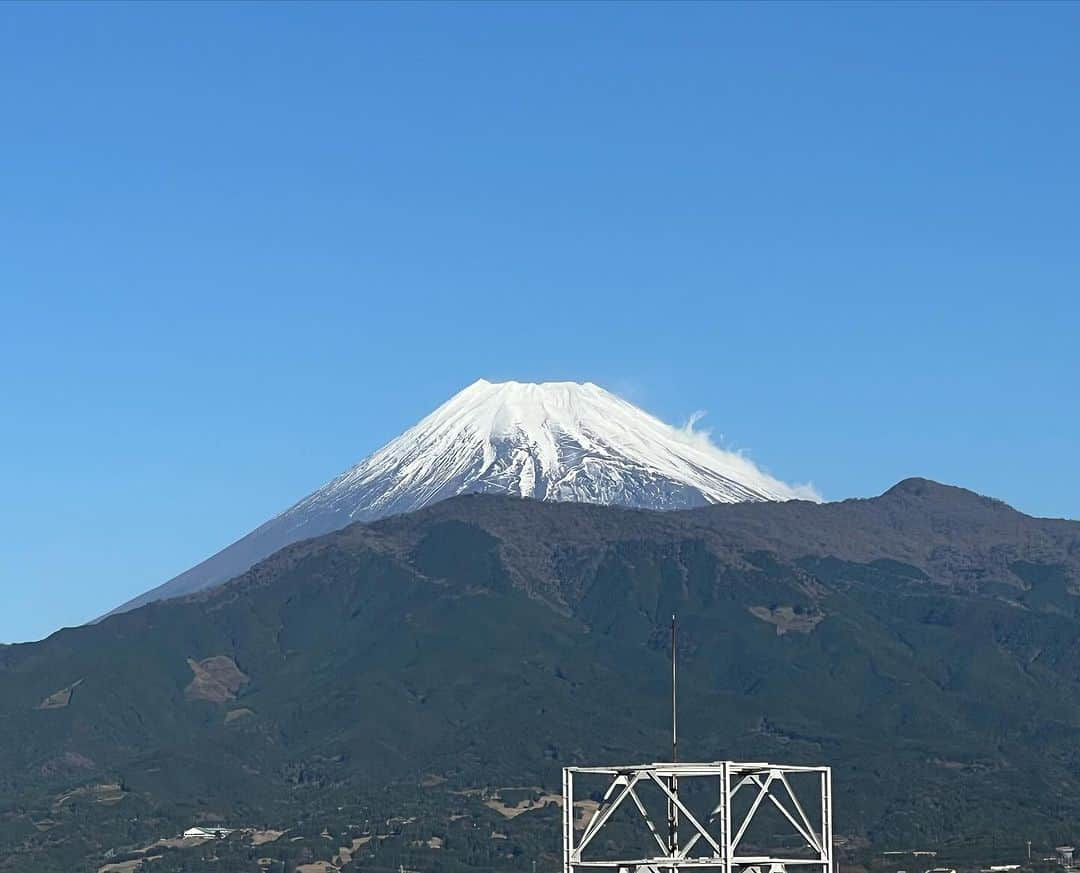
[926,643]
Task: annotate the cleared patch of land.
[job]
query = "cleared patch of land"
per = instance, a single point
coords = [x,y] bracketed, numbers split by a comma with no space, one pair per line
[216,679]
[126,866]
[345,853]
[584,810]
[786,619]
[109,792]
[59,699]
[260,838]
[522,806]
[122,867]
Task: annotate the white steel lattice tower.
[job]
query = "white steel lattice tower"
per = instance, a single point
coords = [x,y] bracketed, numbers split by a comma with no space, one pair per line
[722,835]
[739,794]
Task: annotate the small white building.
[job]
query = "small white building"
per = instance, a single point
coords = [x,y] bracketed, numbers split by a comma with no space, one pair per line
[207,833]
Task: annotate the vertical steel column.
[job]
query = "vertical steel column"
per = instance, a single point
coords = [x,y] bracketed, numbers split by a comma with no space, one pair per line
[725,814]
[568,819]
[826,820]
[673,782]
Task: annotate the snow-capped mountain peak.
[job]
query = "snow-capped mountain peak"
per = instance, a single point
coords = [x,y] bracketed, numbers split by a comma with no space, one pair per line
[547,441]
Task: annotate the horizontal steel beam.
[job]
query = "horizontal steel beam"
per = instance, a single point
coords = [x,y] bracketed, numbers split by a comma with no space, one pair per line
[702,768]
[666,861]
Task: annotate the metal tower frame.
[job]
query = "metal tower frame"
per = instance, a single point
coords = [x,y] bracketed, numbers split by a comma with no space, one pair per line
[721,832]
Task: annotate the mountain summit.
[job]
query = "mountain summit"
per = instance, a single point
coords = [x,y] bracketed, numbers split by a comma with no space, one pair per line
[549,441]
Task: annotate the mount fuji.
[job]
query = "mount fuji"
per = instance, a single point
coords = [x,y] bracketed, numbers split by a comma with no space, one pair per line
[561,441]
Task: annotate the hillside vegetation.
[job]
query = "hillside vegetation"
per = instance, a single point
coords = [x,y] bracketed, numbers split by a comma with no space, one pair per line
[405,692]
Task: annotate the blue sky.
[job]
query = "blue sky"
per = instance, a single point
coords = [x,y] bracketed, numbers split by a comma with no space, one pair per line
[243,245]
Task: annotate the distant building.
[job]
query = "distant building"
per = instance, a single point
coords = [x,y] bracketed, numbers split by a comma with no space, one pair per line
[207,833]
[1065,855]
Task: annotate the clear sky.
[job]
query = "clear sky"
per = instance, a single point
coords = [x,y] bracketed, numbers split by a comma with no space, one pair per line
[243,245]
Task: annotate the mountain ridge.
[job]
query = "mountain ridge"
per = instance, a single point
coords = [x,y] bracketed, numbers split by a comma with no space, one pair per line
[723,522]
[559,441]
[391,668]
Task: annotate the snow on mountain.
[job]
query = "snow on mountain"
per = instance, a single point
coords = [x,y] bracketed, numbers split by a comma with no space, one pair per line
[548,441]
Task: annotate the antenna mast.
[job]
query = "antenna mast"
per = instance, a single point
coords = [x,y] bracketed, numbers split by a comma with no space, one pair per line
[674,706]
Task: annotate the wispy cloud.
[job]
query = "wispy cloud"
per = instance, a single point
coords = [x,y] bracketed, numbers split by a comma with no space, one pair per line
[703,439]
